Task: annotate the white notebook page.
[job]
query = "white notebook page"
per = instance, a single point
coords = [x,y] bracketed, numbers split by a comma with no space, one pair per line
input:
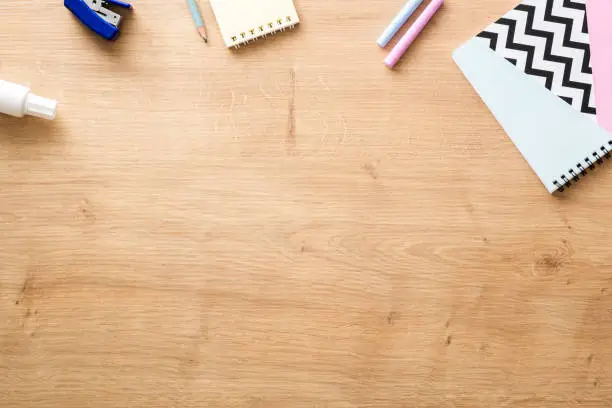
[242,21]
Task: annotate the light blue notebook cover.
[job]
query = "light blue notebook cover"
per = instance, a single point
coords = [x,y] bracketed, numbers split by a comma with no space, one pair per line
[547,109]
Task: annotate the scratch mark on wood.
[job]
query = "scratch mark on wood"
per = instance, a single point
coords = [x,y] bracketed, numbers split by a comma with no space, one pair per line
[232,103]
[346,131]
[392,317]
[291,138]
[371,170]
[26,285]
[87,211]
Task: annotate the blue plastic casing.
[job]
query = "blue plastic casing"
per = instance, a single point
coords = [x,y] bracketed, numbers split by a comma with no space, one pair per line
[94,21]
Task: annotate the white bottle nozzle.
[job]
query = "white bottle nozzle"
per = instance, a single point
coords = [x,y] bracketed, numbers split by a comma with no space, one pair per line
[17,100]
[40,107]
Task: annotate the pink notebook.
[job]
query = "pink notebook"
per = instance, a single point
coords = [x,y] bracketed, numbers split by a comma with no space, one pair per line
[599,17]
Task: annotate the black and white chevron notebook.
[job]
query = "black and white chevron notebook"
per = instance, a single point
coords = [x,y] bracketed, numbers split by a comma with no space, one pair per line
[532,68]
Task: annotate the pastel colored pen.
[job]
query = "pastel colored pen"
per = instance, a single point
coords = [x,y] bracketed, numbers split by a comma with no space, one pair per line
[398,22]
[413,32]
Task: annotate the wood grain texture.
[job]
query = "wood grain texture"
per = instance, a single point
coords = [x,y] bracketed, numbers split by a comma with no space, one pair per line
[291,225]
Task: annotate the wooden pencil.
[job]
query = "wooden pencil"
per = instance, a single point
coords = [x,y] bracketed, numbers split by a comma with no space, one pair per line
[197,19]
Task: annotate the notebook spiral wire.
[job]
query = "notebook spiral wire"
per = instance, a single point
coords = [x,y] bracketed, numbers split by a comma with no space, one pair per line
[262,31]
[574,174]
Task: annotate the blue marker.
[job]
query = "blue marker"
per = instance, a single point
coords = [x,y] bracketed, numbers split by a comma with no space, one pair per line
[398,22]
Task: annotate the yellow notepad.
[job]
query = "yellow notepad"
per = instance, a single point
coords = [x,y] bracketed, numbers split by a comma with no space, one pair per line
[243,21]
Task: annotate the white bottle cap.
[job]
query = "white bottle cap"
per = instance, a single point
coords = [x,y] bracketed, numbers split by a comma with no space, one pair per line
[40,107]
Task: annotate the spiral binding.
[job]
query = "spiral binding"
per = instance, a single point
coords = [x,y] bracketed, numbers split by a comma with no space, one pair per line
[573,174]
[262,31]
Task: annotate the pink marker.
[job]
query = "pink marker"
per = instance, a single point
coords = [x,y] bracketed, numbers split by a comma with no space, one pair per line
[413,32]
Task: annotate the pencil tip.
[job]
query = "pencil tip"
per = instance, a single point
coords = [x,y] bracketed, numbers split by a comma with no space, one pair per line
[203,34]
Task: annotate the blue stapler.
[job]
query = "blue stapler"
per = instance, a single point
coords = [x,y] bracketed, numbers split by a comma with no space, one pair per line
[95,15]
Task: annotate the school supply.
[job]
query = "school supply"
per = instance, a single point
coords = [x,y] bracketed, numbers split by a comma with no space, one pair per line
[96,15]
[599,17]
[243,21]
[197,18]
[398,22]
[17,100]
[532,69]
[413,32]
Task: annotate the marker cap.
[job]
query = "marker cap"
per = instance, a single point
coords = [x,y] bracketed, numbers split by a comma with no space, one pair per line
[40,107]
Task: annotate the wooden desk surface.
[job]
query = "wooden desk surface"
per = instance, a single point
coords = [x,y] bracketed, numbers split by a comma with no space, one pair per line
[291,225]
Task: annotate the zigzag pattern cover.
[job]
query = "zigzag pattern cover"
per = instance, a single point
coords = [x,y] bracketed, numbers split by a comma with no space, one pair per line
[549,40]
